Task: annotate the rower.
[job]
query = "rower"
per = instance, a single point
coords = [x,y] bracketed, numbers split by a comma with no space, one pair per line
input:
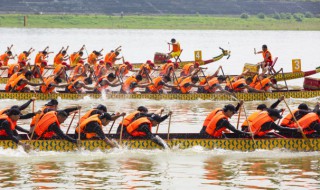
[310,124]
[4,58]
[8,127]
[41,56]
[142,128]
[19,83]
[48,127]
[260,108]
[219,123]
[214,85]
[186,84]
[22,107]
[189,68]
[75,57]
[112,56]
[213,113]
[124,69]
[78,71]
[105,81]
[38,69]
[141,111]
[267,57]
[78,85]
[302,110]
[131,83]
[93,58]
[61,70]
[168,68]
[61,57]
[266,83]
[92,127]
[13,68]
[158,83]
[100,69]
[50,83]
[24,55]
[146,68]
[100,109]
[265,122]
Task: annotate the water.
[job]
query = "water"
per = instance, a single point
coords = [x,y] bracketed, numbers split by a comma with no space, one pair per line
[193,168]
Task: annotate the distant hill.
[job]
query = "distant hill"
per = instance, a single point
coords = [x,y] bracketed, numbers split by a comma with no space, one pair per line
[158,7]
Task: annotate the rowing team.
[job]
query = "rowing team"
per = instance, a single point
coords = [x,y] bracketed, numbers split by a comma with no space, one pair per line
[82,77]
[45,123]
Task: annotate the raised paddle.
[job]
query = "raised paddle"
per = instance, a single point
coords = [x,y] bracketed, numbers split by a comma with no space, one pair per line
[239,117]
[71,122]
[79,139]
[121,131]
[301,130]
[284,78]
[168,136]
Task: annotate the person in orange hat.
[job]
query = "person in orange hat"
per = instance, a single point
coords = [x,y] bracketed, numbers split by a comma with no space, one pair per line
[189,68]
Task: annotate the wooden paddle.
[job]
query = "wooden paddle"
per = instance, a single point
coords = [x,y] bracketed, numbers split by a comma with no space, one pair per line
[239,117]
[168,136]
[284,78]
[233,94]
[252,135]
[121,131]
[159,123]
[111,126]
[71,122]
[301,130]
[79,139]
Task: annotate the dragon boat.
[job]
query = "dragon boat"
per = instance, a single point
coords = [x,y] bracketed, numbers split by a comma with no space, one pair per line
[192,96]
[176,141]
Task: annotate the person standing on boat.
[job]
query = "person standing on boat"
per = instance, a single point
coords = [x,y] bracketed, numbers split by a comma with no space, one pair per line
[8,127]
[260,108]
[92,126]
[142,128]
[48,126]
[265,122]
[176,49]
[267,57]
[131,83]
[211,115]
[19,83]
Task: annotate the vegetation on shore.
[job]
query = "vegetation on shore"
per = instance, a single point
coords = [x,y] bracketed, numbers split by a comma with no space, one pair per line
[278,21]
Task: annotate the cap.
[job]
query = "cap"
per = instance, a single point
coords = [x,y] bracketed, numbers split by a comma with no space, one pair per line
[229,107]
[149,62]
[52,102]
[80,61]
[274,113]
[105,116]
[14,111]
[127,63]
[169,61]
[142,109]
[261,107]
[303,107]
[102,107]
[108,63]
[101,62]
[44,63]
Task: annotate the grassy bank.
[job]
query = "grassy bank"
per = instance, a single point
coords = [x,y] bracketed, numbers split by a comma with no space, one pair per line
[196,22]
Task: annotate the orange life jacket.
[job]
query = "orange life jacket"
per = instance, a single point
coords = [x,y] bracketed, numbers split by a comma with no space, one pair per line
[145,68]
[251,118]
[124,68]
[11,69]
[254,81]
[186,69]
[210,116]
[127,83]
[183,89]
[87,115]
[13,124]
[73,57]
[14,83]
[155,87]
[98,83]
[41,70]
[10,80]
[39,58]
[22,57]
[236,84]
[92,59]
[44,123]
[132,128]
[38,116]
[72,87]
[98,68]
[4,58]
[58,59]
[47,81]
[264,54]
[212,125]
[264,84]
[77,69]
[212,82]
[84,123]
[176,47]
[257,123]
[165,68]
[288,119]
[129,119]
[110,57]
[58,68]
[305,122]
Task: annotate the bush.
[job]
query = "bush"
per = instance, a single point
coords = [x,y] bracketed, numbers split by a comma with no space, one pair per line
[298,17]
[244,16]
[288,16]
[261,16]
[276,16]
[308,15]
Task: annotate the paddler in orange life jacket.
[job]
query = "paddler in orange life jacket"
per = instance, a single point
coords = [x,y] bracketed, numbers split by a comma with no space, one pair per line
[20,82]
[214,85]
[124,69]
[267,57]
[50,83]
[131,83]
[241,85]
[75,57]
[4,58]
[212,114]
[146,68]
[60,57]
[24,56]
[168,68]
[265,122]
[266,84]
[186,84]
[94,57]
[48,127]
[189,68]
[78,85]
[176,49]
[142,128]
[104,82]
[8,127]
[38,69]
[112,56]
[158,83]
[13,68]
[219,123]
[61,71]
[92,127]
[310,124]
[260,108]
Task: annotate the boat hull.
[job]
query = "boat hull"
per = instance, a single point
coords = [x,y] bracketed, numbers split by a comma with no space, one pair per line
[213,96]
[227,144]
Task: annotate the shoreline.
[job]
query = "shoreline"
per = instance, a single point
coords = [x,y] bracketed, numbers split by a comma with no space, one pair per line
[167,22]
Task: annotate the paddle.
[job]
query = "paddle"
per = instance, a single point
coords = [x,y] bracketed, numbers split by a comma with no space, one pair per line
[159,123]
[301,130]
[168,136]
[121,131]
[111,126]
[252,135]
[239,117]
[79,139]
[71,122]
[264,93]
[233,94]
[205,77]
[284,78]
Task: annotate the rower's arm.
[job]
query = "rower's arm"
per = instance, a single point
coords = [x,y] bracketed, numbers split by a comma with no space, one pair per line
[145,128]
[25,105]
[21,129]
[222,90]
[33,84]
[274,105]
[94,127]
[315,126]
[27,116]
[54,127]
[226,123]
[274,126]
[69,110]
[6,126]
[252,89]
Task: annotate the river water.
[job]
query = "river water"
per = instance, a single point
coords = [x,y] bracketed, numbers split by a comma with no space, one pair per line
[193,168]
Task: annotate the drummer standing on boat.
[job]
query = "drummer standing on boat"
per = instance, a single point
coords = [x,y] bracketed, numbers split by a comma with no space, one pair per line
[176,49]
[267,57]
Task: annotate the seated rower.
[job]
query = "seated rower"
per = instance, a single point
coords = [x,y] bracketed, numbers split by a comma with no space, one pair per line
[142,128]
[131,83]
[186,85]
[158,83]
[78,71]
[266,83]
[50,83]
[302,110]
[213,85]
[78,85]
[8,127]
[60,57]
[24,56]
[4,58]
[14,68]
[265,122]
[19,83]
[92,127]
[48,127]
[146,68]
[241,85]
[310,124]
[22,107]
[220,123]
[213,113]
[38,69]
[105,81]
[260,108]
[124,69]
[168,68]
[189,68]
